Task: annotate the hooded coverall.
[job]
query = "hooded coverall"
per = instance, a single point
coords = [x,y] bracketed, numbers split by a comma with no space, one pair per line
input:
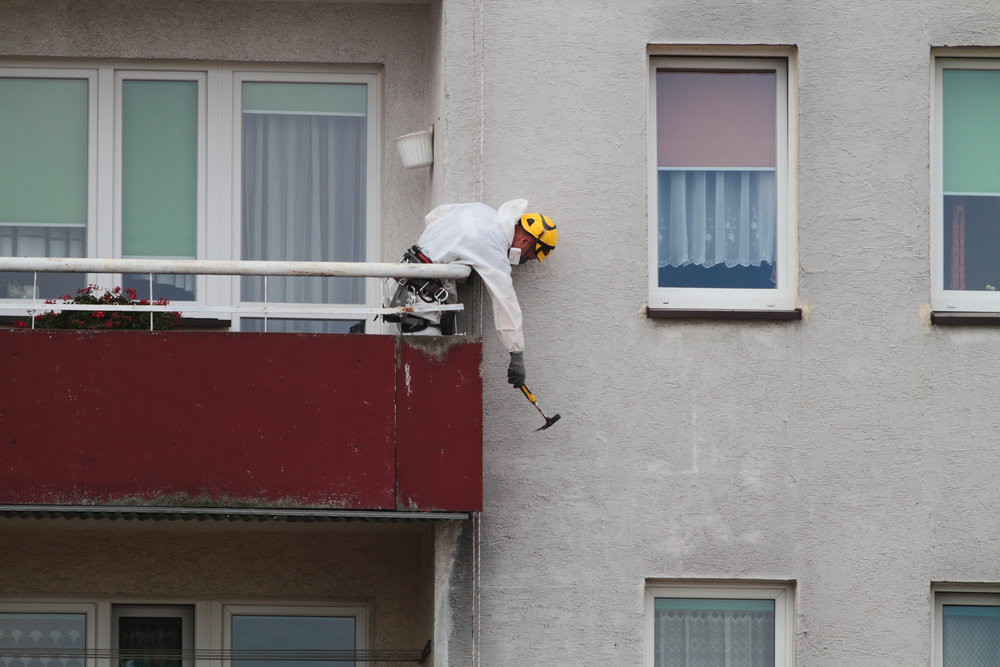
[478,236]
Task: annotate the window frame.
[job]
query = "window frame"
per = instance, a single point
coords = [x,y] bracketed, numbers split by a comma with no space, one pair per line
[184,612]
[782,298]
[235,79]
[88,609]
[210,618]
[358,612]
[978,597]
[21,70]
[200,77]
[219,169]
[783,595]
[942,300]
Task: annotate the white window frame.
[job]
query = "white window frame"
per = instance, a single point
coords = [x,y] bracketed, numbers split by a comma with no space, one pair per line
[219,168]
[236,79]
[987,598]
[782,298]
[942,300]
[210,619]
[359,613]
[784,614]
[201,79]
[183,612]
[88,609]
[90,74]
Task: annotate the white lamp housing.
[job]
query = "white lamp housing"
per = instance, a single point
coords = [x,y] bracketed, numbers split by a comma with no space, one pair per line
[416,149]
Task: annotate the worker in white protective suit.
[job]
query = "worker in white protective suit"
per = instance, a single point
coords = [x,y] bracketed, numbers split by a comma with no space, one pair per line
[490,242]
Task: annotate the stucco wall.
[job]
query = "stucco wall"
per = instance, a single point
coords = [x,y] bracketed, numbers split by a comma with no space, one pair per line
[389,569]
[854,452]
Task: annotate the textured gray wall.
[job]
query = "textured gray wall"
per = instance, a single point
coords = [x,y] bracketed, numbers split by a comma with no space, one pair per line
[852,452]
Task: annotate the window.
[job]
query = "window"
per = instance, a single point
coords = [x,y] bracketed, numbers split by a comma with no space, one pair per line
[153,635]
[330,631]
[156,635]
[58,634]
[716,626]
[966,630]
[965,203]
[193,162]
[720,231]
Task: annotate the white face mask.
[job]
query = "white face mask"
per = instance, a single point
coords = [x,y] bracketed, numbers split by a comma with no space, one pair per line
[514,256]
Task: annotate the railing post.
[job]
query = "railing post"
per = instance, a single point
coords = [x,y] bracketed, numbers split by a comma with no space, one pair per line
[265,304]
[150,301]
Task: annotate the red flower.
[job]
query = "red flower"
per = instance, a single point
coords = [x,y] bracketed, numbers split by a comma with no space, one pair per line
[99,314]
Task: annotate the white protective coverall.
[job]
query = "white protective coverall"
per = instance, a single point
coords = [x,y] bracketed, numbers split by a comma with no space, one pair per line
[478,236]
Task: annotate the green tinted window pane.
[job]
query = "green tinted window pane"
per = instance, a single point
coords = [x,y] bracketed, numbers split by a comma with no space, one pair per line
[971,127]
[159,169]
[711,604]
[43,151]
[310,98]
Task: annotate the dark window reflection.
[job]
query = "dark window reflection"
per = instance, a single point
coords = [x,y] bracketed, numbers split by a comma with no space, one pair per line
[150,642]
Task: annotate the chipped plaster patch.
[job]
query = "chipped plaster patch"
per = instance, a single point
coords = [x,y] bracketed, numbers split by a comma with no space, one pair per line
[925,315]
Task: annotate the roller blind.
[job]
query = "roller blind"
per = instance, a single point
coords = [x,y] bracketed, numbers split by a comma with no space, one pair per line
[305,98]
[43,151]
[159,169]
[715,120]
[712,604]
[971,129]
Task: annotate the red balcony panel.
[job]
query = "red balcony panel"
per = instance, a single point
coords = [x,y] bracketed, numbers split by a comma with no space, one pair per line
[273,418]
[439,450]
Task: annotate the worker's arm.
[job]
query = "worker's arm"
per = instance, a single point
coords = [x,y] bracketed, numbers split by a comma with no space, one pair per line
[506,310]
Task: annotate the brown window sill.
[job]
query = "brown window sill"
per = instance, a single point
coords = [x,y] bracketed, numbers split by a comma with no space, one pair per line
[663,313]
[953,319]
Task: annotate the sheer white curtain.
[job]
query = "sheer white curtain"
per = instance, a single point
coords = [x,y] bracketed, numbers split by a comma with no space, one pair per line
[304,200]
[713,638]
[713,217]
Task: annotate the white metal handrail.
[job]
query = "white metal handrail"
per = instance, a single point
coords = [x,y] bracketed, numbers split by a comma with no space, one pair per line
[233,267]
[153,267]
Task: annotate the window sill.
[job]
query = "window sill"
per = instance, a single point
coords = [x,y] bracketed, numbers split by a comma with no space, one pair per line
[952,319]
[664,313]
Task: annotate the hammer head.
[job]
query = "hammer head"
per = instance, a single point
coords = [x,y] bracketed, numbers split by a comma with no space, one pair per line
[549,421]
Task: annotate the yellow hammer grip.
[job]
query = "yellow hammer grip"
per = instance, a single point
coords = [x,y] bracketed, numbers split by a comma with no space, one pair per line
[527,393]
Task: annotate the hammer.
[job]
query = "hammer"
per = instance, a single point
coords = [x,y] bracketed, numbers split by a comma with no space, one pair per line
[549,421]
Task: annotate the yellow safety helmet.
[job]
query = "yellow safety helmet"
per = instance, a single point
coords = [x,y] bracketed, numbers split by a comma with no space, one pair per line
[544,232]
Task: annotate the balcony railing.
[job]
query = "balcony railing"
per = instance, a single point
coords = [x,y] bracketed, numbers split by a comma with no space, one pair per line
[151,267]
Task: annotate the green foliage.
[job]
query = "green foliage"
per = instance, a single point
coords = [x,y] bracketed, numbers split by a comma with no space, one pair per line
[103,319]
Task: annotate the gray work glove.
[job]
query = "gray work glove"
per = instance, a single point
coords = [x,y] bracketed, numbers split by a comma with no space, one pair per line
[515,372]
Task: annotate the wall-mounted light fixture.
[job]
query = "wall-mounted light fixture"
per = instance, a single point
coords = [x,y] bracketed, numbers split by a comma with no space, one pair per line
[416,149]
